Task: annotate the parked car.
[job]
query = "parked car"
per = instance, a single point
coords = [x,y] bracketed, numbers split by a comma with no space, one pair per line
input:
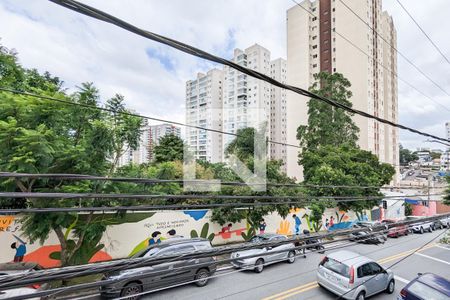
[352,276]
[365,235]
[264,255]
[426,286]
[180,271]
[437,224]
[445,221]
[421,227]
[396,231]
[15,268]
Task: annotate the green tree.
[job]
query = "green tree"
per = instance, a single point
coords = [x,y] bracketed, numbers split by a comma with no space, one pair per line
[330,155]
[328,125]
[447,192]
[40,136]
[170,148]
[406,156]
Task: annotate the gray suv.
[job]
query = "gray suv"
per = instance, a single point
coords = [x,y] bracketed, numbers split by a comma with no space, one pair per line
[353,276]
[164,274]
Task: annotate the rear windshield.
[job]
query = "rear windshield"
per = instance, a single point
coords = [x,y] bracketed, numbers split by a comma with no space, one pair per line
[426,292]
[336,267]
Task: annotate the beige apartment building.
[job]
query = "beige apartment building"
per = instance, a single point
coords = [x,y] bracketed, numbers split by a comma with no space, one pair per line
[314,45]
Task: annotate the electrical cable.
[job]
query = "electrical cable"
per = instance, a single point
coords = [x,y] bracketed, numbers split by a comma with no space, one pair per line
[395,49]
[9,281]
[180,181]
[102,16]
[133,277]
[424,33]
[300,201]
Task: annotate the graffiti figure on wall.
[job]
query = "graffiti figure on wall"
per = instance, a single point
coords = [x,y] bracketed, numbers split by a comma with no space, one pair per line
[172,233]
[20,247]
[262,226]
[156,238]
[298,223]
[331,223]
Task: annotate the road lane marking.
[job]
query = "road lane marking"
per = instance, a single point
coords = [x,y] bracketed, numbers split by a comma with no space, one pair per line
[298,292]
[313,283]
[434,258]
[401,279]
[402,254]
[443,247]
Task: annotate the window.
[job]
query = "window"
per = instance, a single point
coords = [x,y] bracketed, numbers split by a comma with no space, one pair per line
[336,267]
[314,47]
[364,271]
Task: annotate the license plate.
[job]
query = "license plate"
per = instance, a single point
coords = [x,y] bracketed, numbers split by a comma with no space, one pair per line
[331,277]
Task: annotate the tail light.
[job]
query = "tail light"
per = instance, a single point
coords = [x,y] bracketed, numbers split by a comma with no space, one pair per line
[403,293]
[352,275]
[35,286]
[323,261]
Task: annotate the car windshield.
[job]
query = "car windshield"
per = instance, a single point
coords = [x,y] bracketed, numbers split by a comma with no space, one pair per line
[147,252]
[258,239]
[337,267]
[426,292]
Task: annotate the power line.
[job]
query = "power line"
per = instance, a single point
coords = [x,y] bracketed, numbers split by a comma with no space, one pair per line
[9,90]
[10,281]
[76,177]
[237,205]
[378,62]
[395,49]
[424,33]
[100,15]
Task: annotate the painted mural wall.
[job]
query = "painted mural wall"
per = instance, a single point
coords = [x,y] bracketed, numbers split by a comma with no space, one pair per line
[127,238]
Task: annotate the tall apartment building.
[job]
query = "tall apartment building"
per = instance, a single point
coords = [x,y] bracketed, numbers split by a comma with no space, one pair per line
[278,118]
[152,134]
[231,100]
[246,100]
[204,109]
[149,138]
[314,46]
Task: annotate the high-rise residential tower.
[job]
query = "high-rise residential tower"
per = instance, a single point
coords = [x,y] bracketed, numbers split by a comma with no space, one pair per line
[204,109]
[314,46]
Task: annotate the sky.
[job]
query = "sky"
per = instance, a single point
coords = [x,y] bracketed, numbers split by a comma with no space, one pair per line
[152,76]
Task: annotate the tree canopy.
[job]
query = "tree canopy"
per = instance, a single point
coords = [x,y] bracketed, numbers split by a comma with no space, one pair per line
[407,156]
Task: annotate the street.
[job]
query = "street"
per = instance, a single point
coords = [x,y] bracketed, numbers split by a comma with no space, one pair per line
[297,281]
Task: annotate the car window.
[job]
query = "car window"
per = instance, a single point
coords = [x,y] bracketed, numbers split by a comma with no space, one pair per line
[176,250]
[150,252]
[336,267]
[364,270]
[376,269]
[258,239]
[425,292]
[203,246]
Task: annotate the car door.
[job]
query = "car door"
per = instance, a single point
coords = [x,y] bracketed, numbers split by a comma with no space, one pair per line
[180,269]
[381,277]
[365,278]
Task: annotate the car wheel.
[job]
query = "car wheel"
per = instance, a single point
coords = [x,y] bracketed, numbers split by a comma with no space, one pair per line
[291,257]
[430,229]
[131,289]
[361,296]
[406,232]
[391,287]
[421,230]
[202,277]
[259,265]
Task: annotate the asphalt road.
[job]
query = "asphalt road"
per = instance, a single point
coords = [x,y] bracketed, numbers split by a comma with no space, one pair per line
[297,280]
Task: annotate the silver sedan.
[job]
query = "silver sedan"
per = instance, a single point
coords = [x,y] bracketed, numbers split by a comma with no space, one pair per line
[264,256]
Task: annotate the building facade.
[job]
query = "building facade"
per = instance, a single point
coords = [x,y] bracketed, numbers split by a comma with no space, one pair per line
[229,100]
[204,109]
[150,136]
[313,45]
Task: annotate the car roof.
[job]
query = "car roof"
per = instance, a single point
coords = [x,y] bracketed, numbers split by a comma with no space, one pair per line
[349,258]
[435,281]
[179,240]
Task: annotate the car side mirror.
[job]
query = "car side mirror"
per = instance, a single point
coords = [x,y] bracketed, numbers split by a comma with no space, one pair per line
[419,274]
[269,248]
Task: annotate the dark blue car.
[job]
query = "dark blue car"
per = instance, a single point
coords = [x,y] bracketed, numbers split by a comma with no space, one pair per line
[426,286]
